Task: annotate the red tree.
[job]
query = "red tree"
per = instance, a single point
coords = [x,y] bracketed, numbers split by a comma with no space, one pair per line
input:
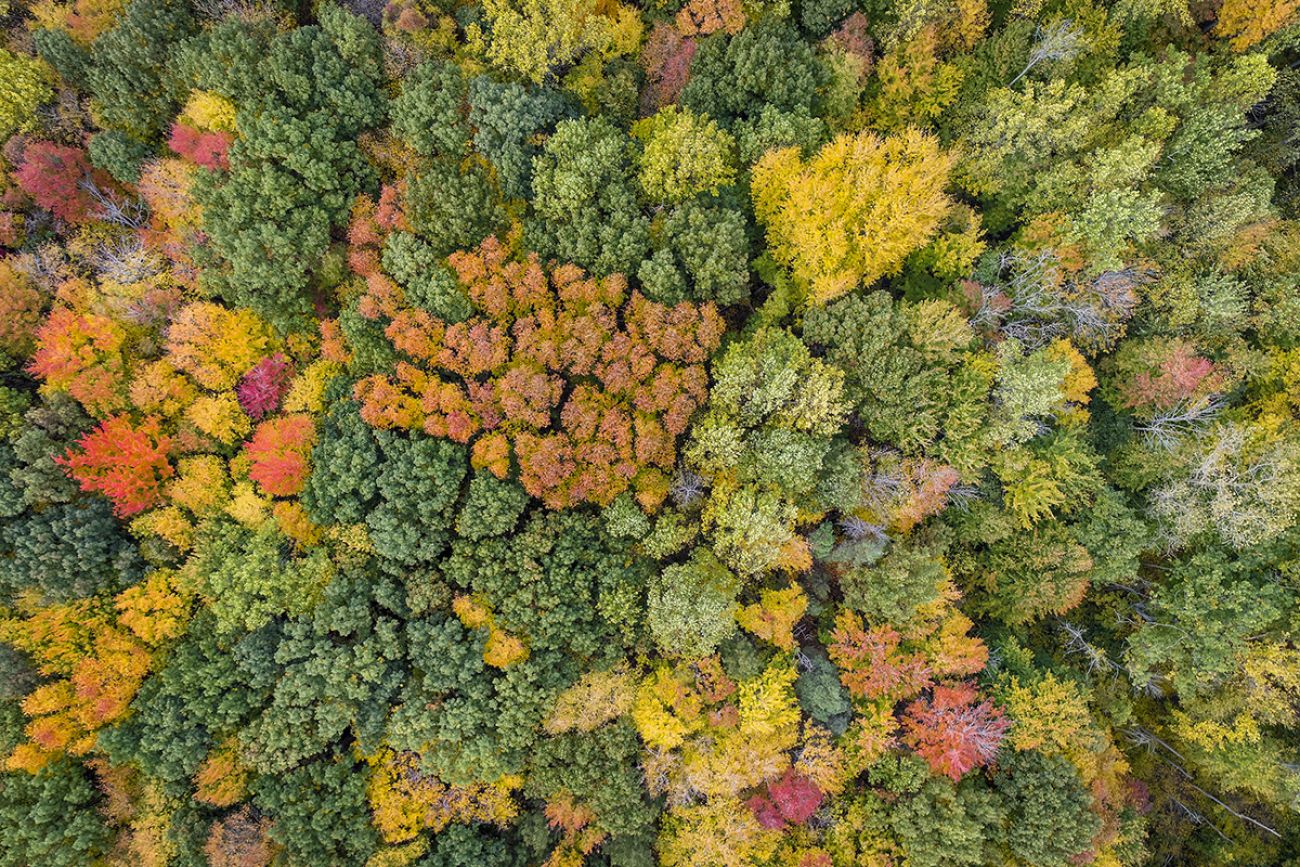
[127,464]
[263,387]
[207,149]
[52,175]
[279,451]
[952,732]
[792,799]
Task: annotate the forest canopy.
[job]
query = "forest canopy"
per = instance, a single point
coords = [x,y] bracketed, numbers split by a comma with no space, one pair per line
[622,433]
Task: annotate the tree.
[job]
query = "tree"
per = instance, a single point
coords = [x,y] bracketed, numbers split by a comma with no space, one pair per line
[1049,817]
[904,365]
[124,462]
[819,214]
[511,122]
[945,824]
[765,441]
[26,86]
[953,733]
[279,452]
[129,73]
[532,38]
[451,208]
[318,812]
[701,253]
[683,155]
[67,552]
[55,177]
[691,606]
[49,817]
[263,387]
[429,114]
[269,218]
[585,200]
[500,381]
[733,79]
[1246,26]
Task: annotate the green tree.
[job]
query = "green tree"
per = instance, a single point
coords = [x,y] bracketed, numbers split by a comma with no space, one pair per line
[683,155]
[692,605]
[319,812]
[1049,817]
[585,199]
[295,168]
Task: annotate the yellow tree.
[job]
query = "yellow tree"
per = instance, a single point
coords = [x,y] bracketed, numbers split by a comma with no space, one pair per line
[1248,22]
[853,212]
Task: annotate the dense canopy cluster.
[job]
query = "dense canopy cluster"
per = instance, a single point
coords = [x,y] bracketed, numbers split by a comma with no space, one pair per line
[699,433]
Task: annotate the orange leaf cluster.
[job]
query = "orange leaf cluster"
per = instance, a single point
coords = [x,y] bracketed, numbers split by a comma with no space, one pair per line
[279,452]
[125,463]
[590,387]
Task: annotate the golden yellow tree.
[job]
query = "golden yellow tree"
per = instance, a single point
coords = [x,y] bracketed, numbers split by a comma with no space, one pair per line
[1248,22]
[853,212]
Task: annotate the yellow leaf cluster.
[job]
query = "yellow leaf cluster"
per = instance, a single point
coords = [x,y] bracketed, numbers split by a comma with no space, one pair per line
[854,211]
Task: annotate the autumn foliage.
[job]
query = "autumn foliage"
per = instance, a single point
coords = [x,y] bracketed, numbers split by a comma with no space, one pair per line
[591,385]
[125,462]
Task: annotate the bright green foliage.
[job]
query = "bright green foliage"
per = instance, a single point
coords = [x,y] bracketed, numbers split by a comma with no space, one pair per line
[1202,619]
[249,579]
[764,442]
[890,591]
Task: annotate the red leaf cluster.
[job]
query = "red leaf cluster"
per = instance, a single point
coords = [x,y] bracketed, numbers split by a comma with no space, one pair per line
[207,149]
[953,732]
[792,800]
[263,387]
[53,176]
[280,453]
[127,464]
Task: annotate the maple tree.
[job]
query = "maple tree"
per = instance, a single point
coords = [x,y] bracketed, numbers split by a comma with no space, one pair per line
[125,462]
